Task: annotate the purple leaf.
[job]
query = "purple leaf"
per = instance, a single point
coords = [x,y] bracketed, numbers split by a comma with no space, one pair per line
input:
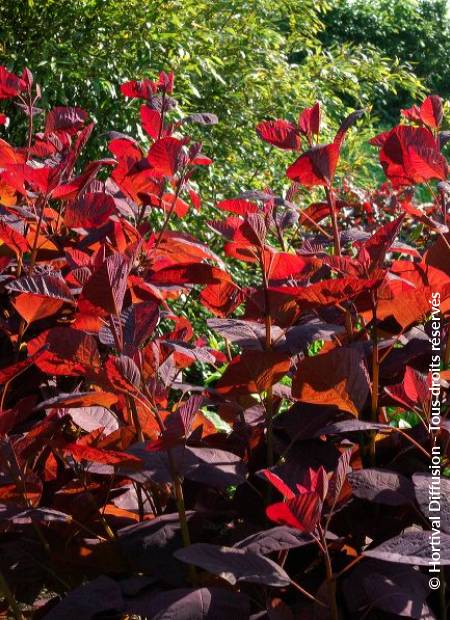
[436,506]
[274,539]
[382,487]
[234,565]
[246,334]
[91,418]
[149,547]
[340,474]
[128,369]
[52,286]
[299,337]
[128,500]
[396,589]
[40,515]
[349,426]
[191,604]
[202,118]
[411,547]
[65,118]
[138,324]
[217,468]
[100,595]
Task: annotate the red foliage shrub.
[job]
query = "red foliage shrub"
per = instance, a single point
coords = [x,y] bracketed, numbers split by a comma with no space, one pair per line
[118,493]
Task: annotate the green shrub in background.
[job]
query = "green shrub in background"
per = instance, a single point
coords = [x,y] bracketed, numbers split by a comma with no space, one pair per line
[414,31]
[242,59]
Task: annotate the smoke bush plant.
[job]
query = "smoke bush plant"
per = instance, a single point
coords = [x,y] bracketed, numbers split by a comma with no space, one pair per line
[279,488]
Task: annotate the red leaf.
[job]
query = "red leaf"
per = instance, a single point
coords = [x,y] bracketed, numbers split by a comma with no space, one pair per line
[91,210]
[328,291]
[105,290]
[65,118]
[81,452]
[432,112]
[79,399]
[126,150]
[151,122]
[192,273]
[316,481]
[122,373]
[33,308]
[222,299]
[170,202]
[13,239]
[413,392]
[412,114]
[8,373]
[309,121]
[380,243]
[143,89]
[165,156]
[52,286]
[301,511]
[281,265]
[315,167]
[338,378]
[69,352]
[317,212]
[253,372]
[280,133]
[279,484]
[409,155]
[10,85]
[238,206]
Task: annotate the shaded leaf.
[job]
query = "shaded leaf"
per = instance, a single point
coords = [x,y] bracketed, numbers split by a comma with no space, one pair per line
[411,547]
[277,538]
[381,486]
[234,565]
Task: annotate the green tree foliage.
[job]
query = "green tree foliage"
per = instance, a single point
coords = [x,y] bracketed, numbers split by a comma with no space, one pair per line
[416,32]
[242,59]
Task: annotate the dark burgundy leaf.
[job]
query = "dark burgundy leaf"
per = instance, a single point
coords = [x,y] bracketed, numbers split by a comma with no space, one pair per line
[246,334]
[65,118]
[234,565]
[350,426]
[348,122]
[438,504]
[397,589]
[411,547]
[149,546]
[51,285]
[105,290]
[40,515]
[339,476]
[211,466]
[100,595]
[382,486]
[201,118]
[192,604]
[91,210]
[277,538]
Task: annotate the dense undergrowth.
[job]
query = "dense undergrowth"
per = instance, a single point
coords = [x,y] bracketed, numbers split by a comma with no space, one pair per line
[274,464]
